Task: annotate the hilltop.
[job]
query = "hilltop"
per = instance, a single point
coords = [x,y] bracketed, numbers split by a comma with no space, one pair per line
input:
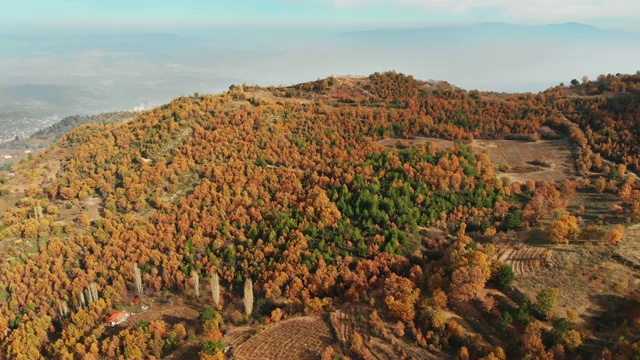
[358,217]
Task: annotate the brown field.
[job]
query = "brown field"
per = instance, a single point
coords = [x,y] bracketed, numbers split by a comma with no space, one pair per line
[518,156]
[355,318]
[298,338]
[527,259]
[269,96]
[345,322]
[237,335]
[91,207]
[590,280]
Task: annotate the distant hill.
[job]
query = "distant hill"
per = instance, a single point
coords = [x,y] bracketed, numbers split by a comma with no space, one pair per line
[493,30]
[608,110]
[44,138]
[477,38]
[56,131]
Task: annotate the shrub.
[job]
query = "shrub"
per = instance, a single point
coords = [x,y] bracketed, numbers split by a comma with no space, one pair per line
[505,276]
[546,301]
[207,314]
[513,221]
[212,347]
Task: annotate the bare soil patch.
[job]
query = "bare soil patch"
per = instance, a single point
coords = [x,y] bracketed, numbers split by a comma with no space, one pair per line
[594,207]
[347,321]
[523,158]
[39,175]
[269,96]
[91,207]
[354,85]
[237,335]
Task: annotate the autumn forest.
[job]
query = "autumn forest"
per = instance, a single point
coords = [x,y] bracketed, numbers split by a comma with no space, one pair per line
[363,204]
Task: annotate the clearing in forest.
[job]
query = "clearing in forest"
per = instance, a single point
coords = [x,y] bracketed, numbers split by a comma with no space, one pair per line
[518,160]
[590,279]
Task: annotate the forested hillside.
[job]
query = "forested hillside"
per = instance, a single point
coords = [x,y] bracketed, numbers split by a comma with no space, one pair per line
[286,194]
[49,135]
[608,111]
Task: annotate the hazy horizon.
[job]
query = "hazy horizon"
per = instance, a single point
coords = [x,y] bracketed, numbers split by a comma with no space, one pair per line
[64,58]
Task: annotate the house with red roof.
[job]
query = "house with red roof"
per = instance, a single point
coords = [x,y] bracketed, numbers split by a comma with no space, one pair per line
[117,317]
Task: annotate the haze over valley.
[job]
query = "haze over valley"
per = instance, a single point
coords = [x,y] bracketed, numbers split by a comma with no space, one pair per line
[52,73]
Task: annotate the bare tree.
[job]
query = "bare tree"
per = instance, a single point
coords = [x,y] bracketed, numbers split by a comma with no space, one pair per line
[248,296]
[83,303]
[88,296]
[91,293]
[215,289]
[196,282]
[37,211]
[63,309]
[93,288]
[137,276]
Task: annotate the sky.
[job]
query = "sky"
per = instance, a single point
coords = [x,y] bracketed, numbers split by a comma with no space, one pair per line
[159,14]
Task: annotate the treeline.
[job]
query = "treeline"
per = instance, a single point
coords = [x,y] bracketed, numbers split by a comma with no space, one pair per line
[56,131]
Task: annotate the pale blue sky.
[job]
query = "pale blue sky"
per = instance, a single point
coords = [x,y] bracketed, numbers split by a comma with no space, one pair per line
[153,14]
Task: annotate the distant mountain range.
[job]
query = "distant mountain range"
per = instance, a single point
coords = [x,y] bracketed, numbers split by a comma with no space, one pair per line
[495,30]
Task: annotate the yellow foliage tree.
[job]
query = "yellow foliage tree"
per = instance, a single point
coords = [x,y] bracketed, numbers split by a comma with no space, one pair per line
[615,235]
[563,230]
[572,339]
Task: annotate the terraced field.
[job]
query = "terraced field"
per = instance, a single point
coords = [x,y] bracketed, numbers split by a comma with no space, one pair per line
[350,319]
[525,260]
[345,322]
[299,338]
[238,335]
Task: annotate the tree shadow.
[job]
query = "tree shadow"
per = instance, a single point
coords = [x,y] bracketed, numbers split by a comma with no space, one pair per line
[612,315]
[537,237]
[187,351]
[172,320]
[616,312]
